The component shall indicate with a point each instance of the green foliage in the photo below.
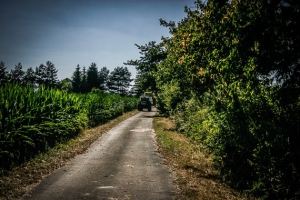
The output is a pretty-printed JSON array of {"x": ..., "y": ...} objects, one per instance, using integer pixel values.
[
  {"x": 104, "y": 107},
  {"x": 43, "y": 75},
  {"x": 196, "y": 121},
  {"x": 119, "y": 81},
  {"x": 50, "y": 75},
  {"x": 116, "y": 81},
  {"x": 65, "y": 85},
  {"x": 92, "y": 77},
  {"x": 146, "y": 66},
  {"x": 171, "y": 94},
  {"x": 16, "y": 74},
  {"x": 76, "y": 80},
  {"x": 103, "y": 75},
  {"x": 231, "y": 81},
  {"x": 83, "y": 83},
  {"x": 29, "y": 77},
  {"x": 3, "y": 73},
  {"x": 33, "y": 120},
  {"x": 46, "y": 75}
]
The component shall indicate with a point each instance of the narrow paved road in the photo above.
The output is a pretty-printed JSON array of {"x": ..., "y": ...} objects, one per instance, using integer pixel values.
[{"x": 122, "y": 164}]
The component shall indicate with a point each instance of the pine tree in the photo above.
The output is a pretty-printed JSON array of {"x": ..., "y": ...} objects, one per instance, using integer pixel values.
[
  {"x": 3, "y": 73},
  {"x": 40, "y": 75},
  {"x": 29, "y": 77},
  {"x": 16, "y": 74},
  {"x": 83, "y": 86},
  {"x": 92, "y": 77},
  {"x": 119, "y": 81},
  {"x": 46, "y": 75},
  {"x": 103, "y": 78},
  {"x": 51, "y": 79},
  {"x": 76, "y": 80}
]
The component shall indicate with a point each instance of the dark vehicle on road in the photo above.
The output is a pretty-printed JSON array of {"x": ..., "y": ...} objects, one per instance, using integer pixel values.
[{"x": 144, "y": 103}]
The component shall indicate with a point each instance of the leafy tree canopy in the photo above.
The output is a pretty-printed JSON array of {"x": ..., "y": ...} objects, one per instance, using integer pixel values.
[{"x": 146, "y": 66}]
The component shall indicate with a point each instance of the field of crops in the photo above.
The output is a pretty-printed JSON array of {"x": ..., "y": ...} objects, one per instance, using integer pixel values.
[{"x": 34, "y": 120}]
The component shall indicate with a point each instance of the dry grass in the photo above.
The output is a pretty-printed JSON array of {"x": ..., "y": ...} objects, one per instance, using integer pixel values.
[
  {"x": 14, "y": 184},
  {"x": 196, "y": 177}
]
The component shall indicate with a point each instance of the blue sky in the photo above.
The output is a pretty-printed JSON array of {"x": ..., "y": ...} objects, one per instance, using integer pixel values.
[{"x": 71, "y": 32}]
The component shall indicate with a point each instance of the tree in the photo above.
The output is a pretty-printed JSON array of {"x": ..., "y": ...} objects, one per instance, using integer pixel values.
[
  {"x": 46, "y": 75},
  {"x": 226, "y": 56},
  {"x": 29, "y": 77},
  {"x": 65, "y": 85},
  {"x": 92, "y": 77},
  {"x": 119, "y": 81},
  {"x": 3, "y": 73},
  {"x": 76, "y": 80},
  {"x": 146, "y": 66},
  {"x": 134, "y": 91},
  {"x": 83, "y": 86},
  {"x": 51, "y": 80},
  {"x": 40, "y": 75},
  {"x": 16, "y": 74},
  {"x": 103, "y": 78}
]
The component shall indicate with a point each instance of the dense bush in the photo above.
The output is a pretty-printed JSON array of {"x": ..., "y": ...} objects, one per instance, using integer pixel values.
[
  {"x": 230, "y": 79},
  {"x": 254, "y": 140}
]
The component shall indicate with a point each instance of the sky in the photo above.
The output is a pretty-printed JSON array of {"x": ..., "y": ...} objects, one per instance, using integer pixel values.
[{"x": 72, "y": 32}]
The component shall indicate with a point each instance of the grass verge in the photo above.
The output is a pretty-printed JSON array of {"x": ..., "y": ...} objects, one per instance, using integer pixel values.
[
  {"x": 16, "y": 183},
  {"x": 196, "y": 177}
]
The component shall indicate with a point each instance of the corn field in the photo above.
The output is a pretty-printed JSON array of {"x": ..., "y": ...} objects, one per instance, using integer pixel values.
[{"x": 34, "y": 120}]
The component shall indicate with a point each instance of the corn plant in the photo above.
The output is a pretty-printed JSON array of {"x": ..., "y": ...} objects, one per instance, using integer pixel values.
[{"x": 34, "y": 120}]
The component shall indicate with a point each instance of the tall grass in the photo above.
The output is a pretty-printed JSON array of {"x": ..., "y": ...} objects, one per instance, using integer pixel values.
[{"x": 33, "y": 120}]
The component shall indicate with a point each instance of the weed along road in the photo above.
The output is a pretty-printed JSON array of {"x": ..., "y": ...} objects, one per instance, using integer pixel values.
[{"x": 122, "y": 164}]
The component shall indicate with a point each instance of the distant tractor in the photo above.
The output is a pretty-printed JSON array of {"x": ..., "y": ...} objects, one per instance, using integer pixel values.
[
  {"x": 144, "y": 103},
  {"x": 151, "y": 96}
]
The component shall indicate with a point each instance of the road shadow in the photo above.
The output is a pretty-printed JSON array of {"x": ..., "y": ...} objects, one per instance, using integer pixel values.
[
  {"x": 150, "y": 116},
  {"x": 154, "y": 116}
]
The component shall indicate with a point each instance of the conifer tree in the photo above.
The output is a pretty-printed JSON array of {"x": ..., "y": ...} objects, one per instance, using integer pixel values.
[
  {"x": 29, "y": 77},
  {"x": 76, "y": 80},
  {"x": 92, "y": 77},
  {"x": 16, "y": 74},
  {"x": 51, "y": 79},
  {"x": 103, "y": 78},
  {"x": 3, "y": 73},
  {"x": 40, "y": 75},
  {"x": 119, "y": 81},
  {"x": 83, "y": 86}
]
